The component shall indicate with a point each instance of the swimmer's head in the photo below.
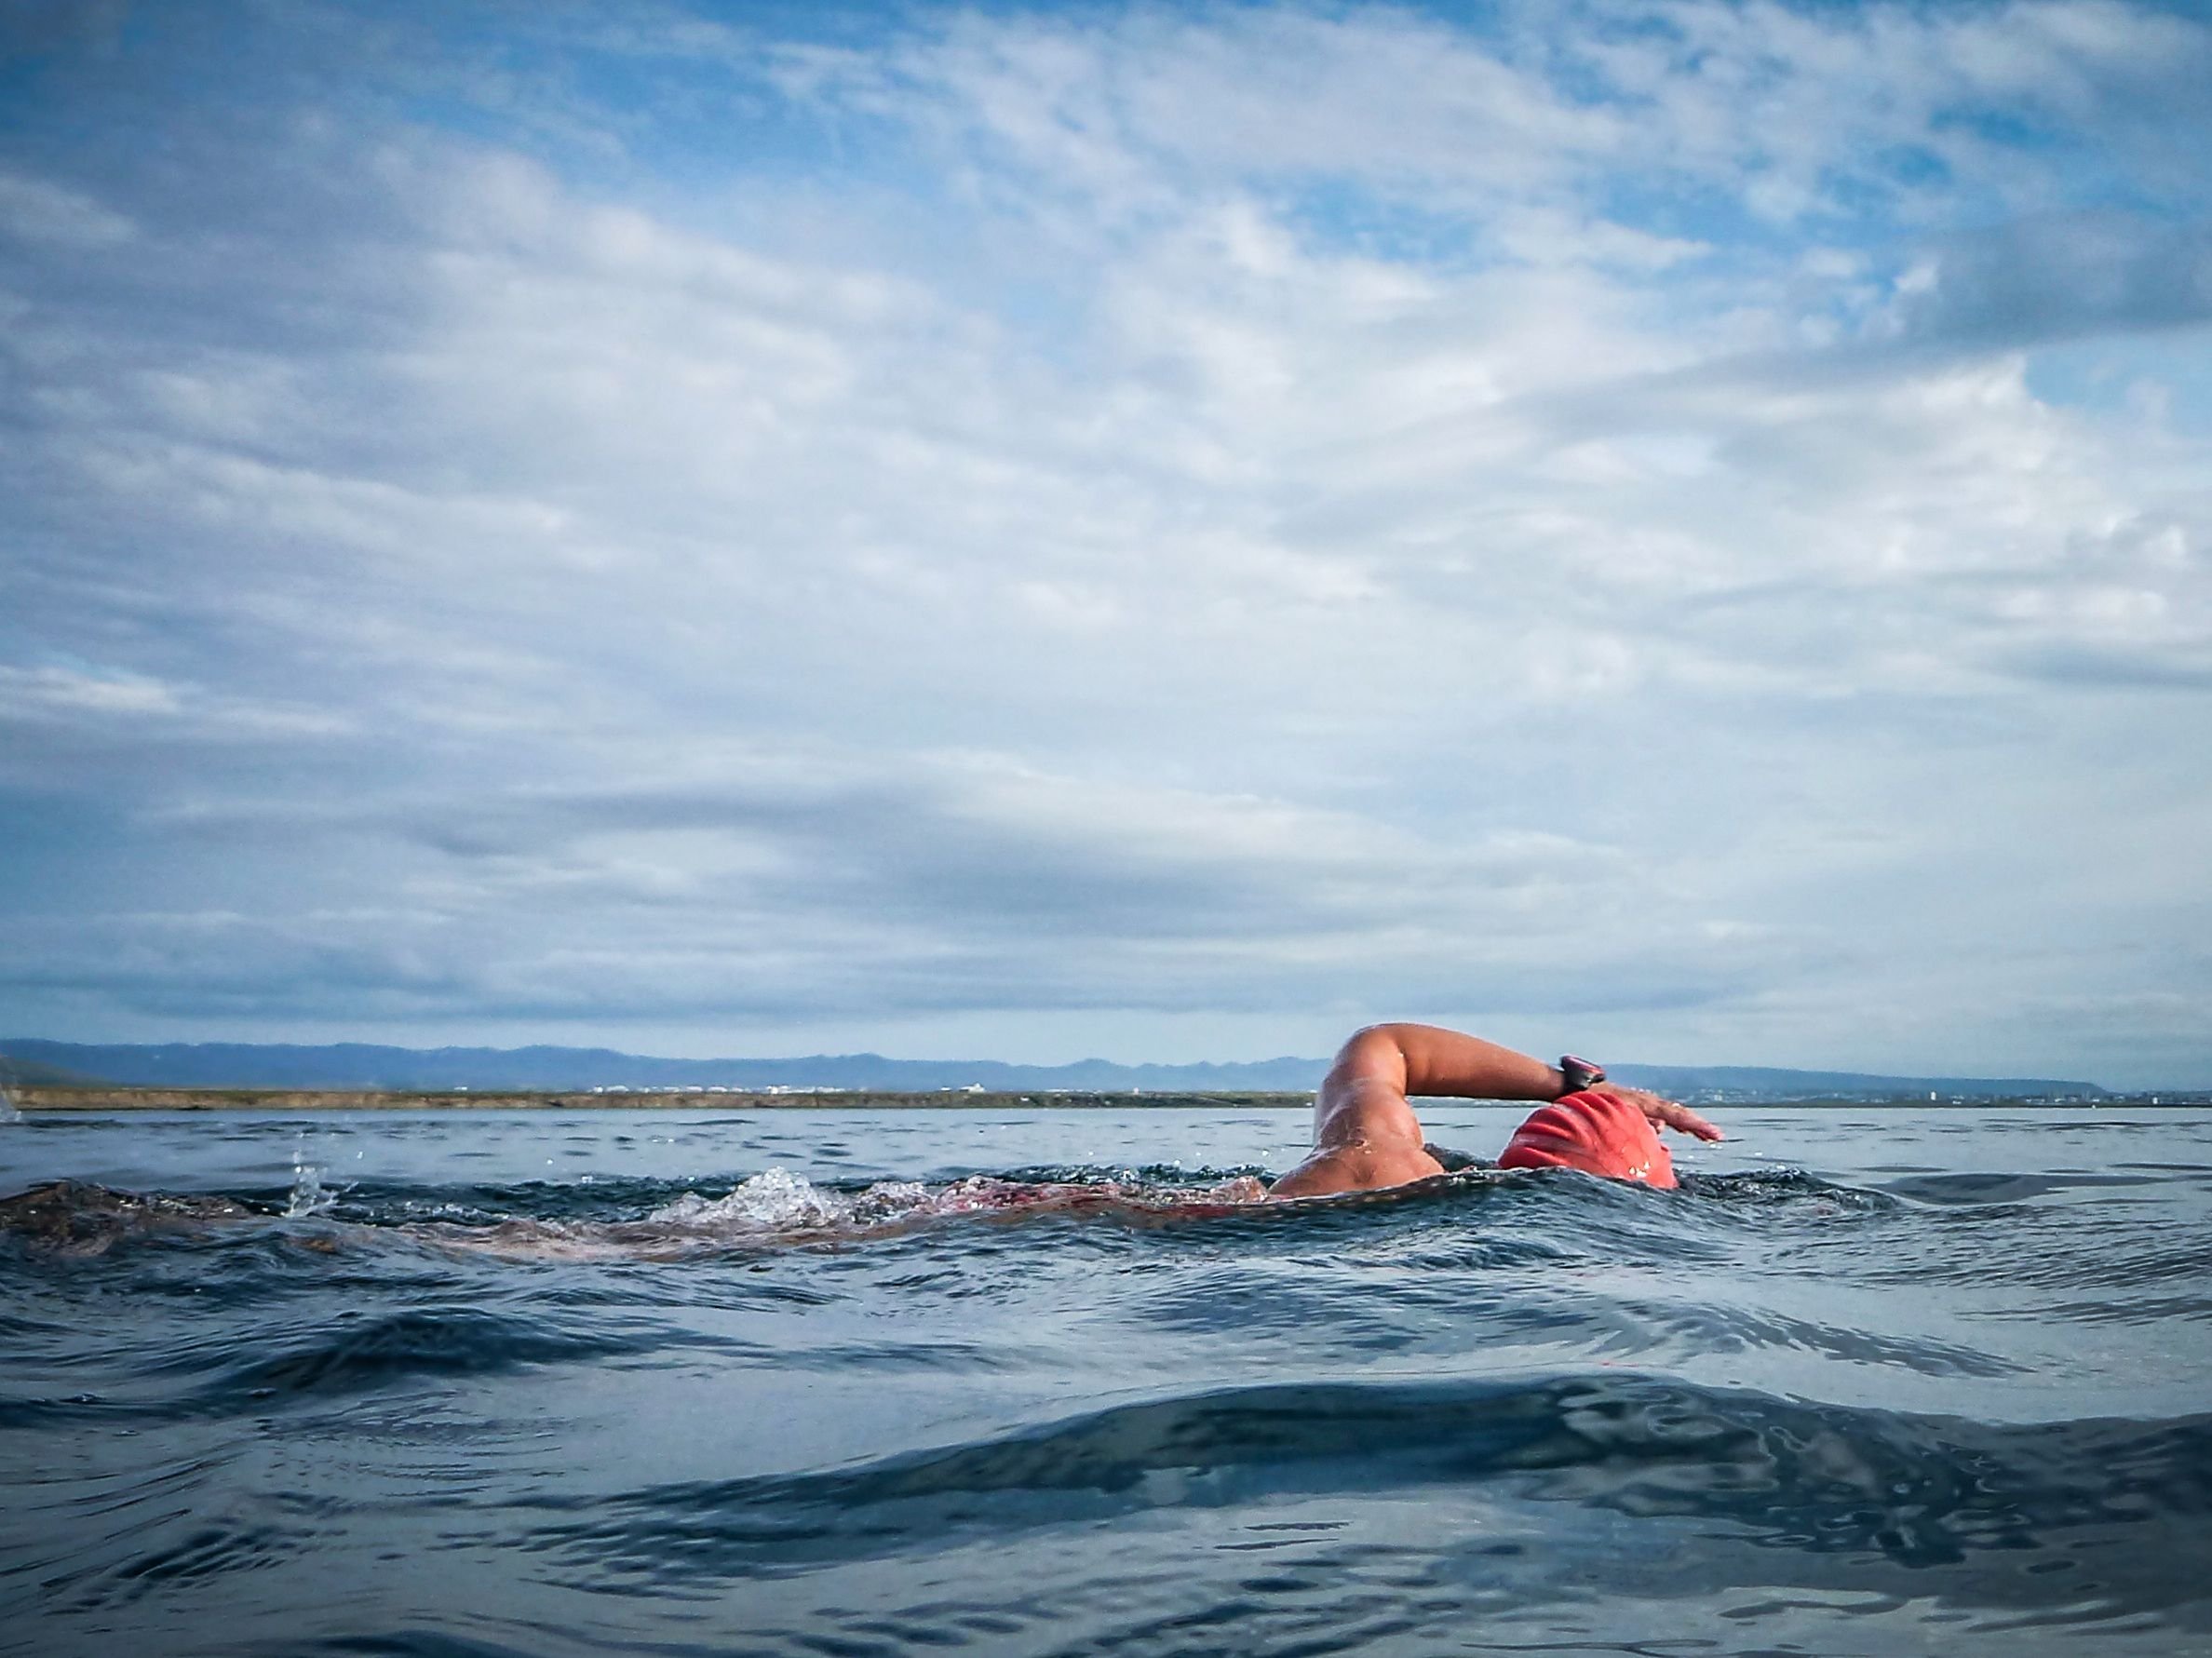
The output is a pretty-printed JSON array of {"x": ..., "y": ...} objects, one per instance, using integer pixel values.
[{"x": 1598, "y": 1133}]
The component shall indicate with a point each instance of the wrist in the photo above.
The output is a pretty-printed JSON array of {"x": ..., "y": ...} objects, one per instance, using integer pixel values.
[{"x": 1575, "y": 1074}]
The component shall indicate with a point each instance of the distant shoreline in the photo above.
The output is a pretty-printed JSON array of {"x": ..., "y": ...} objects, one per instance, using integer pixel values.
[
  {"x": 59, "y": 1099},
  {"x": 350, "y": 1099}
]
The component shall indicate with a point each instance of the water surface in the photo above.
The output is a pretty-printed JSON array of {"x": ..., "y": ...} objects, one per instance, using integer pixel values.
[{"x": 837, "y": 1382}]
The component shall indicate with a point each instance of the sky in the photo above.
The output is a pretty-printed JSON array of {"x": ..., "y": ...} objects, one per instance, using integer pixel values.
[{"x": 1676, "y": 531}]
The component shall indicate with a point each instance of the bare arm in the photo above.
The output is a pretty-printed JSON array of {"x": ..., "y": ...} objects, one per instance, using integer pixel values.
[
  {"x": 1366, "y": 1133},
  {"x": 1427, "y": 1061}
]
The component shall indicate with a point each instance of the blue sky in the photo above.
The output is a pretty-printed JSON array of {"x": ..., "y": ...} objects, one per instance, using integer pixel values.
[{"x": 1673, "y": 530}]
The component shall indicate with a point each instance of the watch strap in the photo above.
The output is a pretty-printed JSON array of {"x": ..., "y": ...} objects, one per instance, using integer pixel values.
[{"x": 1579, "y": 1073}]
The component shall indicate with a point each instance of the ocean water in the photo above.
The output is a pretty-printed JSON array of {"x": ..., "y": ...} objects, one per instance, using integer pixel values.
[{"x": 849, "y": 1383}]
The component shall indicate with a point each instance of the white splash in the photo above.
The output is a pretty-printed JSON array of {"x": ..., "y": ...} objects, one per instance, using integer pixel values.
[
  {"x": 774, "y": 1200},
  {"x": 779, "y": 1201},
  {"x": 307, "y": 1194},
  {"x": 777, "y": 1204},
  {"x": 8, "y": 1112}
]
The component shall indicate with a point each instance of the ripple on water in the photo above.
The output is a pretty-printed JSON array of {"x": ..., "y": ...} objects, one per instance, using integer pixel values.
[
  {"x": 1913, "y": 1492},
  {"x": 1101, "y": 1406}
]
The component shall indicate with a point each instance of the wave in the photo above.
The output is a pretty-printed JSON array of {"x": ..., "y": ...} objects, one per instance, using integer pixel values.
[
  {"x": 1860, "y": 1485},
  {"x": 586, "y": 1220},
  {"x": 81, "y": 1217},
  {"x": 1494, "y": 1218},
  {"x": 1516, "y": 1391},
  {"x": 352, "y": 1355}
]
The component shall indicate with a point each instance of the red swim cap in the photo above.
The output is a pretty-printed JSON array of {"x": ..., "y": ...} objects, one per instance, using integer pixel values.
[{"x": 1599, "y": 1134}]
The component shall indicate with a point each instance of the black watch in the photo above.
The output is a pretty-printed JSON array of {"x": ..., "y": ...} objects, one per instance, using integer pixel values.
[{"x": 1579, "y": 1075}]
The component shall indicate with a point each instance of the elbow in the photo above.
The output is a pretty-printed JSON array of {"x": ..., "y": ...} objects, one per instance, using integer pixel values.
[
  {"x": 1390, "y": 1034},
  {"x": 1359, "y": 1042},
  {"x": 1367, "y": 1044}
]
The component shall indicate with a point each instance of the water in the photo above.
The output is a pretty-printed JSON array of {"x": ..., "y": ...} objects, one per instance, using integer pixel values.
[{"x": 847, "y": 1383}]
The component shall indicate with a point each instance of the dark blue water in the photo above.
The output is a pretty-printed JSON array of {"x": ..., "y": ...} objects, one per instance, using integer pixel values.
[{"x": 848, "y": 1383}]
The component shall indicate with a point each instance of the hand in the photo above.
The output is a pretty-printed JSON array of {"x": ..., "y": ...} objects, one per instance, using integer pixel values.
[{"x": 1666, "y": 1113}]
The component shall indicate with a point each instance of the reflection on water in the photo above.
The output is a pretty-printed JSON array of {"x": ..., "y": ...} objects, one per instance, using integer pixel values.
[{"x": 833, "y": 1382}]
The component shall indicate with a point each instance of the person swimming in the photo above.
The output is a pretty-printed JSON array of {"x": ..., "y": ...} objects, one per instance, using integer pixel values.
[{"x": 1367, "y": 1136}]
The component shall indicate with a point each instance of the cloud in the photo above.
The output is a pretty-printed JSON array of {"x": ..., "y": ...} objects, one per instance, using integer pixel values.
[
  {"x": 964, "y": 855},
  {"x": 37, "y": 212},
  {"x": 2046, "y": 280},
  {"x": 33, "y": 692},
  {"x": 1270, "y": 515}
]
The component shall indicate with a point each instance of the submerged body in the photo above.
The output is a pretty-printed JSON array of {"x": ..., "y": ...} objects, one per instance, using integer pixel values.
[{"x": 1367, "y": 1135}]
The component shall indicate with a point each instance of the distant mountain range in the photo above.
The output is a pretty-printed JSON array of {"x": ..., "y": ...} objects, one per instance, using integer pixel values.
[{"x": 362, "y": 1065}]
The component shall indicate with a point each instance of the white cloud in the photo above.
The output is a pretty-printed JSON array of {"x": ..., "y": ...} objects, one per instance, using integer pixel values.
[
  {"x": 98, "y": 705},
  {"x": 1259, "y": 515},
  {"x": 38, "y": 211},
  {"x": 66, "y": 691}
]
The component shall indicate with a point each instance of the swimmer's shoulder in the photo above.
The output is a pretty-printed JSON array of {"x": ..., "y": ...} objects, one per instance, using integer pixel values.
[{"x": 1357, "y": 1167}]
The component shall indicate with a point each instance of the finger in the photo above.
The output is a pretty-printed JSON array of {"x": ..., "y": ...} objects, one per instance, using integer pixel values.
[
  {"x": 1667, "y": 1113},
  {"x": 1685, "y": 1121}
]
